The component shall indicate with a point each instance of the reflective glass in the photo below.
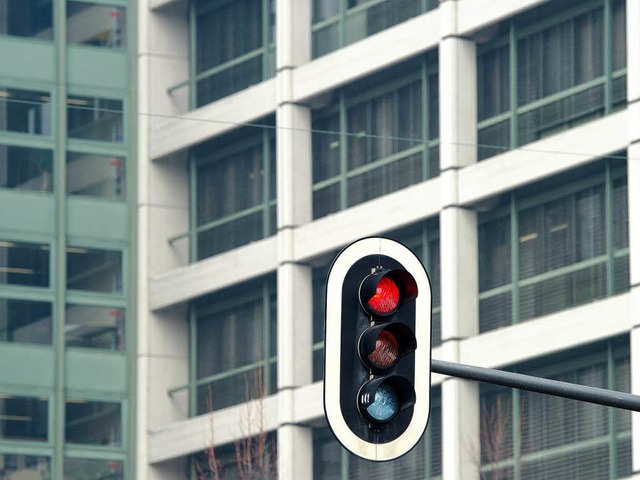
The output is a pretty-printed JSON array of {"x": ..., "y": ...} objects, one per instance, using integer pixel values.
[
  {"x": 26, "y": 168},
  {"x": 23, "y": 418},
  {"x": 94, "y": 327},
  {"x": 24, "y": 264},
  {"x": 25, "y": 111},
  {"x": 93, "y": 269},
  {"x": 99, "y": 25},
  {"x": 27, "y": 18},
  {"x": 90, "y": 469},
  {"x": 25, "y": 321},
  {"x": 95, "y": 175},
  {"x": 93, "y": 423},
  {"x": 26, "y": 467},
  {"x": 92, "y": 118}
]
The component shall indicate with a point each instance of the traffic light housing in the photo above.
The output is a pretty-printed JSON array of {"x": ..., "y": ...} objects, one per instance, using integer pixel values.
[{"x": 377, "y": 349}]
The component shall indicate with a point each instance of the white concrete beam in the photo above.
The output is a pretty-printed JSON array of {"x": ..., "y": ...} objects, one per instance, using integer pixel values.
[
  {"x": 544, "y": 158},
  {"x": 174, "y": 133},
  {"x": 197, "y": 279}
]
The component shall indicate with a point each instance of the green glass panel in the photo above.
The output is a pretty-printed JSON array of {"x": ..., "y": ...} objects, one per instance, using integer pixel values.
[
  {"x": 93, "y": 423},
  {"x": 26, "y": 168},
  {"x": 23, "y": 418}
]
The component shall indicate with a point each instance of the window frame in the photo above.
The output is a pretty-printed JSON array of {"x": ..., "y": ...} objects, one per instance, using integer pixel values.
[
  {"x": 341, "y": 20},
  {"x": 518, "y": 202},
  {"x": 514, "y": 30},
  {"x": 267, "y": 50},
  {"x": 350, "y": 97},
  {"x": 608, "y": 352},
  {"x": 264, "y": 290}
]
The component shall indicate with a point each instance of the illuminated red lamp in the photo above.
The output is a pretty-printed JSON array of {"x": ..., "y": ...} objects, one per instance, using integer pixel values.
[{"x": 384, "y": 291}]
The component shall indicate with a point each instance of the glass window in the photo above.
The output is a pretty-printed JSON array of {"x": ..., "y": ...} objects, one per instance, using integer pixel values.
[
  {"x": 23, "y": 418},
  {"x": 94, "y": 327},
  {"x": 235, "y": 192},
  {"x": 385, "y": 137},
  {"x": 93, "y": 423},
  {"x": 17, "y": 466},
  {"x": 91, "y": 469},
  {"x": 236, "y": 346},
  {"x": 233, "y": 50},
  {"x": 558, "y": 243},
  {"x": 27, "y": 18},
  {"x": 93, "y": 118},
  {"x": 99, "y": 25},
  {"x": 25, "y": 321},
  {"x": 25, "y": 111},
  {"x": 93, "y": 269},
  {"x": 567, "y": 71},
  {"x": 92, "y": 175},
  {"x": 553, "y": 437},
  {"x": 24, "y": 263},
  {"x": 337, "y": 23},
  {"x": 26, "y": 168}
]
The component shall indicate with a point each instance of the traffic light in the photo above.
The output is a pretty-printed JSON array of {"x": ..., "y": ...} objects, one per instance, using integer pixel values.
[{"x": 377, "y": 349}]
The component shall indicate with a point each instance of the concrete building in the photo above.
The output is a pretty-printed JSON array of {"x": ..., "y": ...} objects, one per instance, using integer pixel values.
[{"x": 176, "y": 178}]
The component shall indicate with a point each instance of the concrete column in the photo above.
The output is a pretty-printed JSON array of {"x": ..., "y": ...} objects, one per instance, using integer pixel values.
[
  {"x": 293, "y": 149},
  {"x": 633, "y": 171},
  {"x": 162, "y": 351},
  {"x": 458, "y": 245}
]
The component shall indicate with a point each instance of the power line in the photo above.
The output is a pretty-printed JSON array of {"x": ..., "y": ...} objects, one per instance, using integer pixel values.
[{"x": 411, "y": 140}]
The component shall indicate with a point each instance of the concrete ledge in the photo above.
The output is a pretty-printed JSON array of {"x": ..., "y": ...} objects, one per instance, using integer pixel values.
[{"x": 197, "y": 279}]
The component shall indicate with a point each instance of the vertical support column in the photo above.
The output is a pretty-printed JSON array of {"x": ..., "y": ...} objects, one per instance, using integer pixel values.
[
  {"x": 458, "y": 245},
  {"x": 293, "y": 150},
  {"x": 162, "y": 204},
  {"x": 633, "y": 171}
]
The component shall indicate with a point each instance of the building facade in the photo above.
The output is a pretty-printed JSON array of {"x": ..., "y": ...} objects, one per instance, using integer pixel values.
[{"x": 177, "y": 176}]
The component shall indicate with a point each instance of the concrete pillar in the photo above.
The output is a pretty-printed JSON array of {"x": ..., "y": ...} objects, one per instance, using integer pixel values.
[
  {"x": 633, "y": 170},
  {"x": 293, "y": 149},
  {"x": 162, "y": 351},
  {"x": 458, "y": 245}
]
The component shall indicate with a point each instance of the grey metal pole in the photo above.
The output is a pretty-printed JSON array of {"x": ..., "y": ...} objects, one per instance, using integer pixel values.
[{"x": 600, "y": 396}]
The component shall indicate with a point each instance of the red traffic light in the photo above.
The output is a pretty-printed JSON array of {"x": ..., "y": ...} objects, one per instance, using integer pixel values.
[
  {"x": 381, "y": 346},
  {"x": 384, "y": 291}
]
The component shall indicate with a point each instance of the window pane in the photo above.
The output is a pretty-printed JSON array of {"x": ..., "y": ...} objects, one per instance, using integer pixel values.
[
  {"x": 26, "y": 467},
  {"x": 24, "y": 264},
  {"x": 233, "y": 337},
  {"x": 100, "y": 25},
  {"x": 26, "y": 168},
  {"x": 235, "y": 190},
  {"x": 94, "y": 327},
  {"x": 95, "y": 175},
  {"x": 87, "y": 469},
  {"x": 25, "y": 111},
  {"x": 25, "y": 321},
  {"x": 493, "y": 83},
  {"x": 232, "y": 79},
  {"x": 95, "y": 270},
  {"x": 92, "y": 118},
  {"x": 93, "y": 423},
  {"x": 228, "y": 31},
  {"x": 27, "y": 18},
  {"x": 494, "y": 247},
  {"x": 23, "y": 418}
]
